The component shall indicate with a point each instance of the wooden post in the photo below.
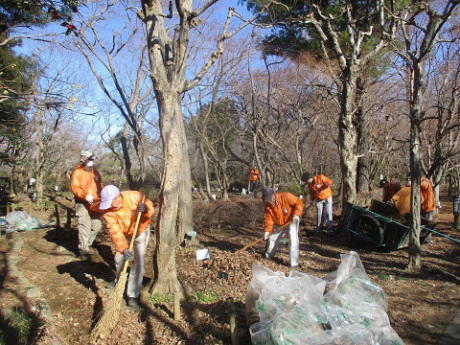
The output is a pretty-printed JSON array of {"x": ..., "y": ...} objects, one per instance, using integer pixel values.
[
  {"x": 68, "y": 224},
  {"x": 176, "y": 306},
  {"x": 58, "y": 221},
  {"x": 233, "y": 325},
  {"x": 7, "y": 208}
]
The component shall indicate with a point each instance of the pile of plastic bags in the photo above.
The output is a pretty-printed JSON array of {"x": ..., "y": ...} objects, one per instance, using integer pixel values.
[
  {"x": 19, "y": 221},
  {"x": 344, "y": 308}
]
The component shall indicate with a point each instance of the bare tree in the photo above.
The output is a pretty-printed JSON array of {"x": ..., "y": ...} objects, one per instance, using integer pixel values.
[
  {"x": 421, "y": 28},
  {"x": 442, "y": 128},
  {"x": 125, "y": 85},
  {"x": 168, "y": 49}
]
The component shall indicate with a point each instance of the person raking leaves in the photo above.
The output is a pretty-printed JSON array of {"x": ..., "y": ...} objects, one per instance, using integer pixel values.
[
  {"x": 279, "y": 210},
  {"x": 120, "y": 213}
]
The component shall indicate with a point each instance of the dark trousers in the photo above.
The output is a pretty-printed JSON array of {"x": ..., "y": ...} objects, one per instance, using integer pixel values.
[{"x": 253, "y": 187}]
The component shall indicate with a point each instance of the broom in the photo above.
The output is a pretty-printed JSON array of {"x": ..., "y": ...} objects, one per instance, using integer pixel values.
[{"x": 111, "y": 314}]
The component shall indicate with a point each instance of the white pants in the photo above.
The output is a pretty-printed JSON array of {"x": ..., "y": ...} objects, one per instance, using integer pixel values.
[
  {"x": 324, "y": 210},
  {"x": 136, "y": 273},
  {"x": 275, "y": 237},
  {"x": 88, "y": 227}
]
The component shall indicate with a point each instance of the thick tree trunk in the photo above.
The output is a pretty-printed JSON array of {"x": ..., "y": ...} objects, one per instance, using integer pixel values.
[
  {"x": 175, "y": 210},
  {"x": 415, "y": 250},
  {"x": 348, "y": 137}
]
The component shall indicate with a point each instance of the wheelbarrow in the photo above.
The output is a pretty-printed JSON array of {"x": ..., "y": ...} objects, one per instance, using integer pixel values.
[{"x": 373, "y": 231}]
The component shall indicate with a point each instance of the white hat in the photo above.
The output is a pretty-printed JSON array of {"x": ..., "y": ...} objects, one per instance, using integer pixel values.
[
  {"x": 87, "y": 153},
  {"x": 108, "y": 193}
]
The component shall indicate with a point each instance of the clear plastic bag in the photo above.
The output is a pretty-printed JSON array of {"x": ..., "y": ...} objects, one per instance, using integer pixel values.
[
  {"x": 353, "y": 291},
  {"x": 350, "y": 265},
  {"x": 280, "y": 296},
  {"x": 260, "y": 277},
  {"x": 353, "y": 335},
  {"x": 260, "y": 333},
  {"x": 294, "y": 310},
  {"x": 21, "y": 221}
]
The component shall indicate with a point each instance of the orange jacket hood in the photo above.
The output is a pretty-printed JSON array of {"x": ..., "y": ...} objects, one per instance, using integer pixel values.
[
  {"x": 287, "y": 205},
  {"x": 84, "y": 182},
  {"x": 122, "y": 221},
  {"x": 318, "y": 190}
]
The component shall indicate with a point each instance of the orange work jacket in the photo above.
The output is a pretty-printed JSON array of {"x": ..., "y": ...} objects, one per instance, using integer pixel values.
[
  {"x": 122, "y": 221},
  {"x": 253, "y": 175},
  {"x": 317, "y": 189},
  {"x": 286, "y": 206},
  {"x": 389, "y": 190},
  {"x": 84, "y": 182},
  {"x": 402, "y": 198}
]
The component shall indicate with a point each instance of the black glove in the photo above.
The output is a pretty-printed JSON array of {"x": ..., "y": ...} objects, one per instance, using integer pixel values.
[
  {"x": 142, "y": 207},
  {"x": 127, "y": 254}
]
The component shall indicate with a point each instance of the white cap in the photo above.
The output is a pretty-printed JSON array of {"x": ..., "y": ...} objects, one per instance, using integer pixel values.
[
  {"x": 108, "y": 193},
  {"x": 87, "y": 153}
]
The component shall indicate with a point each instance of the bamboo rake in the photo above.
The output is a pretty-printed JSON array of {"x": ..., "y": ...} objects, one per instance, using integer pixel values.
[
  {"x": 260, "y": 239},
  {"x": 111, "y": 314}
]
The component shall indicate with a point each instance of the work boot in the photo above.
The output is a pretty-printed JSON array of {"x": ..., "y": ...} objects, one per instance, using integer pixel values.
[
  {"x": 318, "y": 231},
  {"x": 133, "y": 303}
]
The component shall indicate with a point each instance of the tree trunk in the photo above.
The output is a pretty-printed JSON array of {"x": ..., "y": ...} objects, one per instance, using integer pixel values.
[
  {"x": 39, "y": 147},
  {"x": 124, "y": 141},
  {"x": 363, "y": 171},
  {"x": 348, "y": 137},
  {"x": 415, "y": 250},
  {"x": 175, "y": 209},
  {"x": 223, "y": 180},
  {"x": 204, "y": 159}
]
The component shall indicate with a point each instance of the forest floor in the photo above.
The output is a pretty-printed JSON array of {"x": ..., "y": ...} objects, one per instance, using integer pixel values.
[{"x": 53, "y": 297}]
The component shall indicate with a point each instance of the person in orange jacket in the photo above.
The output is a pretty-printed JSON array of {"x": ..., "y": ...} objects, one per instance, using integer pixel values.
[
  {"x": 389, "y": 189},
  {"x": 281, "y": 208},
  {"x": 403, "y": 203},
  {"x": 120, "y": 218},
  {"x": 86, "y": 185},
  {"x": 320, "y": 191},
  {"x": 253, "y": 178}
]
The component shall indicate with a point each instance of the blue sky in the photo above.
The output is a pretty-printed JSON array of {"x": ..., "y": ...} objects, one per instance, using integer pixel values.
[{"x": 95, "y": 100}]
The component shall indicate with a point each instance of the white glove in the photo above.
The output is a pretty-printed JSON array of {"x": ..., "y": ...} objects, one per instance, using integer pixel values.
[
  {"x": 266, "y": 235},
  {"x": 295, "y": 219},
  {"x": 90, "y": 199}
]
